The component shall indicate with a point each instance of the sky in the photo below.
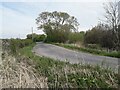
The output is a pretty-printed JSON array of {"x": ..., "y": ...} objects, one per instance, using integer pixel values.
[{"x": 17, "y": 17}]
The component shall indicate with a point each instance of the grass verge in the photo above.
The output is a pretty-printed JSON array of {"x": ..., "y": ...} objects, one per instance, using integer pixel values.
[
  {"x": 65, "y": 75},
  {"x": 88, "y": 50}
]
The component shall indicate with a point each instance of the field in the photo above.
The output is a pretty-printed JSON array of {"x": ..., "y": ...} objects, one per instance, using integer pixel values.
[{"x": 30, "y": 70}]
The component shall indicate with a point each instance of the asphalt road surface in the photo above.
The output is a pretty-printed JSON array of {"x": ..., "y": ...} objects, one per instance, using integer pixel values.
[{"x": 63, "y": 54}]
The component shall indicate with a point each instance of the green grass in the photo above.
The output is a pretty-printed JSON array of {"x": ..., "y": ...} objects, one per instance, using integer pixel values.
[
  {"x": 60, "y": 74},
  {"x": 88, "y": 50}
]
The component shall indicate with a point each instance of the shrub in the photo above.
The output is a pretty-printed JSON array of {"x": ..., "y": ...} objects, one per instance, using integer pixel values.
[
  {"x": 76, "y": 37},
  {"x": 36, "y": 37},
  {"x": 16, "y": 44}
]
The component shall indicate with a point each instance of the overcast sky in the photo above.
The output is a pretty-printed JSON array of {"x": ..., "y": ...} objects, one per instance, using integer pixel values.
[{"x": 17, "y": 18}]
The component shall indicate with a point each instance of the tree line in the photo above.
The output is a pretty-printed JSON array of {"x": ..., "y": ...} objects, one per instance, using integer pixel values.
[
  {"x": 62, "y": 27},
  {"x": 102, "y": 35},
  {"x": 107, "y": 33}
]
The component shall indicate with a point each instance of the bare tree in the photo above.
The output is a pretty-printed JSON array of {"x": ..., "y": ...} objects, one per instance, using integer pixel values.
[{"x": 112, "y": 19}]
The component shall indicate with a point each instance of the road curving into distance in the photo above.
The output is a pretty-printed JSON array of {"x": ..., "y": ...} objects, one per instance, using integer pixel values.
[{"x": 63, "y": 54}]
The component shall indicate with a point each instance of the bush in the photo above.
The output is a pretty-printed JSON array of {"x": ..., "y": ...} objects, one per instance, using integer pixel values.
[
  {"x": 100, "y": 35},
  {"x": 76, "y": 37},
  {"x": 16, "y": 44},
  {"x": 36, "y": 37}
]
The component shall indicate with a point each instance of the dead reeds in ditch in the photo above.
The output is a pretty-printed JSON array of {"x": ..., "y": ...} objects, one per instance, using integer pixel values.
[{"x": 20, "y": 73}]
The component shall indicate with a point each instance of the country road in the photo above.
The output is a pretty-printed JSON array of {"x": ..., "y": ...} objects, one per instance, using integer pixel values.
[{"x": 60, "y": 53}]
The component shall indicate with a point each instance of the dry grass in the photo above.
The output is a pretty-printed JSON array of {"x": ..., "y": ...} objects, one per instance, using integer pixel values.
[
  {"x": 84, "y": 76},
  {"x": 20, "y": 72},
  {"x": 31, "y": 71}
]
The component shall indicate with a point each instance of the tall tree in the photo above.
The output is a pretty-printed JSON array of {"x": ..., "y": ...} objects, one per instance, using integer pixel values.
[
  {"x": 57, "y": 25},
  {"x": 113, "y": 20}
]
